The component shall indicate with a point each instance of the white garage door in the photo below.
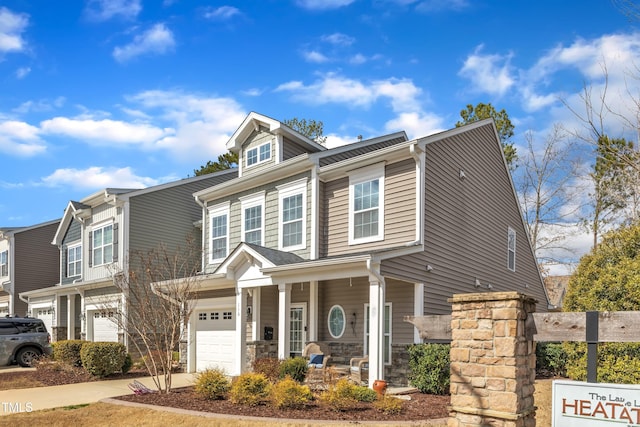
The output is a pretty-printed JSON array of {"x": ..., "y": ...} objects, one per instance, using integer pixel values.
[
  {"x": 104, "y": 327},
  {"x": 46, "y": 315},
  {"x": 215, "y": 330}
]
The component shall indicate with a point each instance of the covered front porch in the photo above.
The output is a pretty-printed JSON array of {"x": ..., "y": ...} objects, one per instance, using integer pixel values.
[{"x": 344, "y": 304}]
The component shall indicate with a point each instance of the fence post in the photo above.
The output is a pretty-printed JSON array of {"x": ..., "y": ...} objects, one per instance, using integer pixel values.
[
  {"x": 492, "y": 362},
  {"x": 591, "y": 335}
]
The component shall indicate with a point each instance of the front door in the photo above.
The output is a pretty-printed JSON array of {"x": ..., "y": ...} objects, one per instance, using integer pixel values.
[{"x": 298, "y": 329}]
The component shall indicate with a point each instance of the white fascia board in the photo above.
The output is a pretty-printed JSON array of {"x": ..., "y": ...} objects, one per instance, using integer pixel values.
[{"x": 290, "y": 167}]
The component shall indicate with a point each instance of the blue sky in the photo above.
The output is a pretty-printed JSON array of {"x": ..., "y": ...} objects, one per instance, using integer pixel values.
[{"x": 132, "y": 93}]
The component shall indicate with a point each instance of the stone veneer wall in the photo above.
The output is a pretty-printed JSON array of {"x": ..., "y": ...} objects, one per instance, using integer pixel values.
[{"x": 492, "y": 362}]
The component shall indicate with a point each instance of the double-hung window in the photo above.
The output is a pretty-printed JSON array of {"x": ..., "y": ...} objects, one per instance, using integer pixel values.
[
  {"x": 292, "y": 201},
  {"x": 511, "y": 249},
  {"x": 253, "y": 218},
  {"x": 366, "y": 204},
  {"x": 74, "y": 261},
  {"x": 102, "y": 241},
  {"x": 4, "y": 263},
  {"x": 219, "y": 232},
  {"x": 259, "y": 154}
]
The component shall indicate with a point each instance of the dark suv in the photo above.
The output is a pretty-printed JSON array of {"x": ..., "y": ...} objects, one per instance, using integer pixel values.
[{"x": 23, "y": 339}]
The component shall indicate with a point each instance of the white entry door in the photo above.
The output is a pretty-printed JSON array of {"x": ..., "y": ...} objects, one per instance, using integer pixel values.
[{"x": 297, "y": 329}]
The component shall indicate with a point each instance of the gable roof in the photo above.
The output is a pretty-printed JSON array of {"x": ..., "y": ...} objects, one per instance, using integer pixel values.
[
  {"x": 348, "y": 151},
  {"x": 253, "y": 122}
]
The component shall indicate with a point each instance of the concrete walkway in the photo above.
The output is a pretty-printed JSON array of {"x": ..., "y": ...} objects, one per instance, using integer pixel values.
[{"x": 37, "y": 398}]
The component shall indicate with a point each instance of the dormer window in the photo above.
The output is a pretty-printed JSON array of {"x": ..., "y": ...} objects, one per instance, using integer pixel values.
[{"x": 259, "y": 154}]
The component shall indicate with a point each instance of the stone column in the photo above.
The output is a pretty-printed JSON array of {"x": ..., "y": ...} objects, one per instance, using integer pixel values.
[{"x": 492, "y": 362}]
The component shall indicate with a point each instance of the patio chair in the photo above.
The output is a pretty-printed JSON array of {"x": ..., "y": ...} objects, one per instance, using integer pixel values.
[
  {"x": 317, "y": 361},
  {"x": 359, "y": 370}
]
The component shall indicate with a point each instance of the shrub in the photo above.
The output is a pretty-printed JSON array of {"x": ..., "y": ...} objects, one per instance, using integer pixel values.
[
  {"x": 618, "y": 363},
  {"x": 288, "y": 393},
  {"x": 295, "y": 367},
  {"x": 364, "y": 394},
  {"x": 269, "y": 366},
  {"x": 68, "y": 351},
  {"x": 429, "y": 368},
  {"x": 250, "y": 389},
  {"x": 212, "y": 384},
  {"x": 551, "y": 359},
  {"x": 389, "y": 405},
  {"x": 103, "y": 358},
  {"x": 340, "y": 396},
  {"x": 128, "y": 364}
]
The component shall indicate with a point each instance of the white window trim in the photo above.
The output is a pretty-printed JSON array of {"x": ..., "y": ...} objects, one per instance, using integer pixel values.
[
  {"x": 252, "y": 200},
  {"x": 5, "y": 264},
  {"x": 257, "y": 148},
  {"x": 96, "y": 227},
  {"x": 74, "y": 247},
  {"x": 359, "y": 176},
  {"x": 366, "y": 332},
  {"x": 511, "y": 231},
  {"x": 288, "y": 190},
  {"x": 344, "y": 323},
  {"x": 214, "y": 211}
]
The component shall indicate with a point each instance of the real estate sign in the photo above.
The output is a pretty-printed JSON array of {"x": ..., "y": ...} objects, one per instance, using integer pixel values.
[{"x": 595, "y": 404}]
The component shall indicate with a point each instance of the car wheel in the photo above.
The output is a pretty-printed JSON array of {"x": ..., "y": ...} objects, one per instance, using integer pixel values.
[{"x": 27, "y": 355}]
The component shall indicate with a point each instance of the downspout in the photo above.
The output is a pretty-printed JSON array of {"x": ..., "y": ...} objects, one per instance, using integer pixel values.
[{"x": 418, "y": 156}]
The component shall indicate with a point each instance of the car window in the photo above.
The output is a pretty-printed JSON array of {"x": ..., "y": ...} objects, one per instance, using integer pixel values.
[
  {"x": 30, "y": 327},
  {"x": 7, "y": 329}
]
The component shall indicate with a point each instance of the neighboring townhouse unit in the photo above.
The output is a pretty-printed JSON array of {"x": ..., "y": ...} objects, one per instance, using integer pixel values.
[
  {"x": 27, "y": 262},
  {"x": 338, "y": 245},
  {"x": 93, "y": 243}
]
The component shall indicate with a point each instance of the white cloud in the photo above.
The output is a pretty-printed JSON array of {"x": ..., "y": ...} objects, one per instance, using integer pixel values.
[
  {"x": 97, "y": 177},
  {"x": 202, "y": 124},
  {"x": 40, "y": 105},
  {"x": 104, "y": 131},
  {"x": 488, "y": 73},
  {"x": 221, "y": 13},
  {"x": 440, "y": 5},
  {"x": 315, "y": 57},
  {"x": 323, "y": 4},
  {"x": 416, "y": 124},
  {"x": 12, "y": 25},
  {"x": 20, "y": 139},
  {"x": 338, "y": 39},
  {"x": 157, "y": 40},
  {"x": 104, "y": 10},
  {"x": 22, "y": 72}
]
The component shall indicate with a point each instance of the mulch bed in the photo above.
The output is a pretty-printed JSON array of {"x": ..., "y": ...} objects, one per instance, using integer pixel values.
[
  {"x": 420, "y": 407},
  {"x": 50, "y": 377}
]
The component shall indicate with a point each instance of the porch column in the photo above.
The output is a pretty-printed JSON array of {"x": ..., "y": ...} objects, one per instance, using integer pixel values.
[
  {"x": 313, "y": 311},
  {"x": 284, "y": 319},
  {"x": 83, "y": 318},
  {"x": 376, "y": 330},
  {"x": 241, "y": 330},
  {"x": 255, "y": 314},
  {"x": 71, "y": 316}
]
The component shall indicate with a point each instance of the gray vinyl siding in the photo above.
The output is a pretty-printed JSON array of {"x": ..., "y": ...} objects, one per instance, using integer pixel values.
[
  {"x": 218, "y": 293},
  {"x": 102, "y": 292},
  {"x": 352, "y": 295},
  {"x": 37, "y": 262},
  {"x": 466, "y": 224},
  {"x": 72, "y": 237},
  {"x": 399, "y": 211},
  {"x": 269, "y": 310},
  {"x": 272, "y": 220},
  {"x": 291, "y": 149},
  {"x": 257, "y": 138}
]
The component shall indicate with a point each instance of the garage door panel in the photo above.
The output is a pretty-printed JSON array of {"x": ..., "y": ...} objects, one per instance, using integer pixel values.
[
  {"x": 215, "y": 339},
  {"x": 46, "y": 315},
  {"x": 104, "y": 327}
]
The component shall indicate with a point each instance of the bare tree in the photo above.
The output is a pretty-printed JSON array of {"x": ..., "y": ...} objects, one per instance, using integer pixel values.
[
  {"x": 546, "y": 173},
  {"x": 159, "y": 294},
  {"x": 616, "y": 170}
]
